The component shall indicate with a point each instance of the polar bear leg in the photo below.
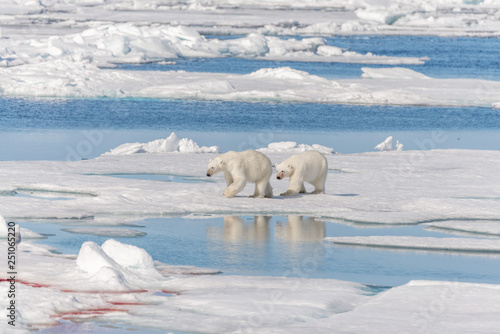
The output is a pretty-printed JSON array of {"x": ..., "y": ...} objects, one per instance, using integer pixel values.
[
  {"x": 294, "y": 188},
  {"x": 234, "y": 188},
  {"x": 269, "y": 191},
  {"x": 319, "y": 185},
  {"x": 303, "y": 189},
  {"x": 260, "y": 189},
  {"x": 229, "y": 178}
]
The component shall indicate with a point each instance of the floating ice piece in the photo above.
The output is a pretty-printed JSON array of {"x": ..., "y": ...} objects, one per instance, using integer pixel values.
[
  {"x": 107, "y": 232},
  {"x": 391, "y": 73},
  {"x": 422, "y": 243},
  {"x": 293, "y": 147},
  {"x": 386, "y": 145},
  {"x": 171, "y": 144}
]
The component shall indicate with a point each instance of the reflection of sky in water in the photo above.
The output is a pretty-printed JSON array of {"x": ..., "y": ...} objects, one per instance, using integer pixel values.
[{"x": 287, "y": 246}]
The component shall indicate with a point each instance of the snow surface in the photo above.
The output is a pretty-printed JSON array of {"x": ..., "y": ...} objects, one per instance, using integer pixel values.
[{"x": 464, "y": 183}]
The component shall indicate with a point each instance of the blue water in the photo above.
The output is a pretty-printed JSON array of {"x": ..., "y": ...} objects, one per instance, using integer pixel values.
[
  {"x": 62, "y": 129},
  {"x": 287, "y": 246}
]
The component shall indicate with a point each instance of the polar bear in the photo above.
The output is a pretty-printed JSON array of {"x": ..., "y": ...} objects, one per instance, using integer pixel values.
[
  {"x": 242, "y": 167},
  {"x": 310, "y": 166}
]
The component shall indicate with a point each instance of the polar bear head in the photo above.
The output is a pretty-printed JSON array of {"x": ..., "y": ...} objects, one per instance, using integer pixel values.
[
  {"x": 284, "y": 170},
  {"x": 215, "y": 166}
]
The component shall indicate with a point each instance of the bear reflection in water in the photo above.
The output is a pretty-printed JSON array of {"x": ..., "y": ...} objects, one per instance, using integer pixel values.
[{"x": 296, "y": 229}]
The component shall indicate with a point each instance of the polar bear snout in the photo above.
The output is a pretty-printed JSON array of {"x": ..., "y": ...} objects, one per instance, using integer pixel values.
[
  {"x": 209, "y": 172},
  {"x": 280, "y": 176}
]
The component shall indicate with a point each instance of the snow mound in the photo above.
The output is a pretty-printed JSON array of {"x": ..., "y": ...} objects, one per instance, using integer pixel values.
[
  {"x": 171, "y": 144},
  {"x": 386, "y": 145},
  {"x": 293, "y": 147},
  {"x": 92, "y": 258},
  {"x": 391, "y": 73},
  {"x": 129, "y": 256},
  {"x": 115, "y": 266}
]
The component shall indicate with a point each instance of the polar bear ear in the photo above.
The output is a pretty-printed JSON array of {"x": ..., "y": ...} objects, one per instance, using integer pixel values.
[
  {"x": 221, "y": 162},
  {"x": 209, "y": 161}
]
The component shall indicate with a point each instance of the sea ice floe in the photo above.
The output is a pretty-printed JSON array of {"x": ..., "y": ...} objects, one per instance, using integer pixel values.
[
  {"x": 107, "y": 232},
  {"x": 470, "y": 245},
  {"x": 63, "y": 78},
  {"x": 389, "y": 188},
  {"x": 391, "y": 73},
  {"x": 132, "y": 43},
  {"x": 482, "y": 228}
]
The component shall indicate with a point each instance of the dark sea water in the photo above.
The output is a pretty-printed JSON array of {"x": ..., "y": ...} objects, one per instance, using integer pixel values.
[{"x": 39, "y": 129}]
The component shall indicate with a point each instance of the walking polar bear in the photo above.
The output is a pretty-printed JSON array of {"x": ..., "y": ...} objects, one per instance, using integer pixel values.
[
  {"x": 310, "y": 167},
  {"x": 242, "y": 167}
]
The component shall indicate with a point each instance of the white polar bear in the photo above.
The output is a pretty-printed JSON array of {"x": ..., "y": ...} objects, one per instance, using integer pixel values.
[
  {"x": 310, "y": 166},
  {"x": 242, "y": 167}
]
